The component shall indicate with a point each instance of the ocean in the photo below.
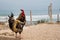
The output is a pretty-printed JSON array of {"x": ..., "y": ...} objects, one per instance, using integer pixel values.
[{"x": 36, "y": 15}]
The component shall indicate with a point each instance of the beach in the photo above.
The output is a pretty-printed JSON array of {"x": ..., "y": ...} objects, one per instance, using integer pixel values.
[
  {"x": 43, "y": 31},
  {"x": 40, "y": 18}
]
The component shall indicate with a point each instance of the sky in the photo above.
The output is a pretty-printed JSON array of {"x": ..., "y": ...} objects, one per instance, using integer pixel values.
[{"x": 28, "y": 4}]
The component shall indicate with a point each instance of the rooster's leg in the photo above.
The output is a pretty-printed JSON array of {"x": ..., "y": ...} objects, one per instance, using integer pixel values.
[
  {"x": 20, "y": 35},
  {"x": 16, "y": 35}
]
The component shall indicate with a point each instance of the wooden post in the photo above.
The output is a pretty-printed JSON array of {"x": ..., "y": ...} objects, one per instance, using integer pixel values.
[
  {"x": 50, "y": 12},
  {"x": 57, "y": 18},
  {"x": 30, "y": 17}
]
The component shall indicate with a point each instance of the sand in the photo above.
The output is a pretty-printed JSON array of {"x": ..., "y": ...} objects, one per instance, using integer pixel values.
[{"x": 35, "y": 32}]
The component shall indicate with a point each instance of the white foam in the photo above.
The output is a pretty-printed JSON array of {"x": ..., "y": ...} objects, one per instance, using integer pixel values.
[{"x": 34, "y": 17}]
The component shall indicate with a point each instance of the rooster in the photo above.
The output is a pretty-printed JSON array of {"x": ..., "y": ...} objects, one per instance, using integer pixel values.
[{"x": 16, "y": 25}]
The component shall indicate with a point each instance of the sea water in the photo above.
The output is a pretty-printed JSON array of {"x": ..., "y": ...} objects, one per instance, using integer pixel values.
[{"x": 36, "y": 15}]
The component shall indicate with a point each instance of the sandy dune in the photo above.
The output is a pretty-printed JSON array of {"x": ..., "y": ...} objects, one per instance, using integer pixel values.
[{"x": 35, "y": 32}]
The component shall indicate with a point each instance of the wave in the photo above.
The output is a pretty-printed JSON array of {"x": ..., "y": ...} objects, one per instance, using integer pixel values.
[{"x": 34, "y": 17}]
